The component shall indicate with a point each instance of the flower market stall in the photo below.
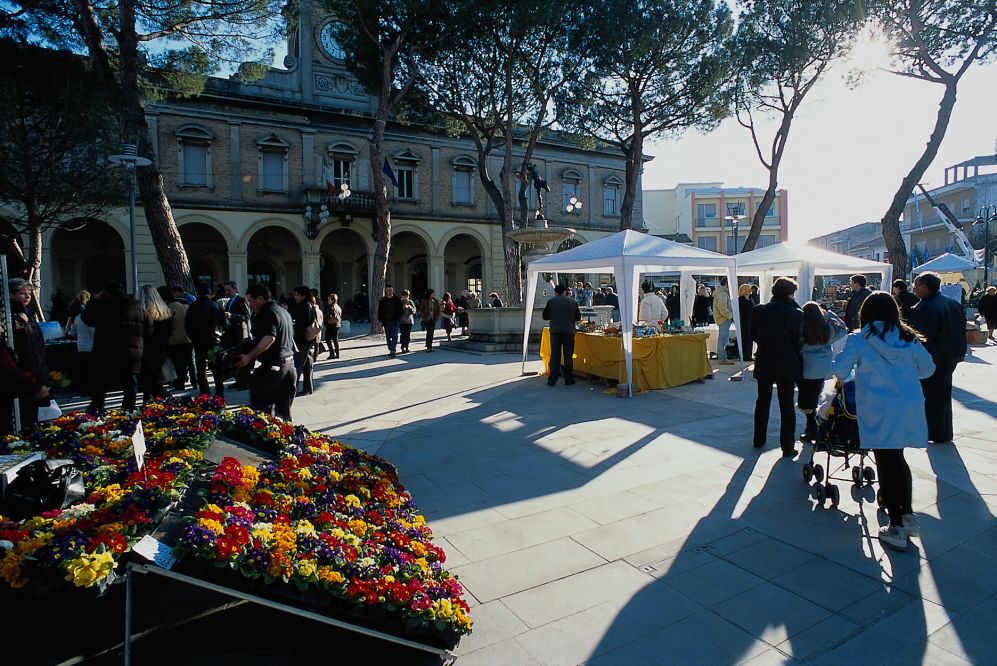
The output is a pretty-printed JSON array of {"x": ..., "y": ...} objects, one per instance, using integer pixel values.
[
  {"x": 314, "y": 528},
  {"x": 627, "y": 255}
]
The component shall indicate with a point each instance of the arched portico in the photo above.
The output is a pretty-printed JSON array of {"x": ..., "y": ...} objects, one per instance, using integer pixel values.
[
  {"x": 207, "y": 250},
  {"x": 464, "y": 260},
  {"x": 274, "y": 258}
]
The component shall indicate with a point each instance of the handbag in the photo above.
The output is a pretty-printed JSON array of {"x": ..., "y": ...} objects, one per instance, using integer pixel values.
[
  {"x": 49, "y": 412},
  {"x": 43, "y": 485}
]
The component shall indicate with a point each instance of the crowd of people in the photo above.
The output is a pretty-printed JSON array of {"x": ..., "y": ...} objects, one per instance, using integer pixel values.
[
  {"x": 397, "y": 313},
  {"x": 901, "y": 350}
]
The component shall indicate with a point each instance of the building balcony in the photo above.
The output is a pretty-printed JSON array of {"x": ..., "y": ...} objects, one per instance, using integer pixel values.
[
  {"x": 707, "y": 222},
  {"x": 359, "y": 201}
]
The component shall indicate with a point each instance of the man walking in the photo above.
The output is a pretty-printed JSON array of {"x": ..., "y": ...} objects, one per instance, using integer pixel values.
[
  {"x": 237, "y": 314},
  {"x": 429, "y": 310},
  {"x": 205, "y": 324},
  {"x": 272, "y": 385},
  {"x": 389, "y": 313},
  {"x": 942, "y": 322},
  {"x": 859, "y": 293},
  {"x": 562, "y": 313},
  {"x": 905, "y": 300}
]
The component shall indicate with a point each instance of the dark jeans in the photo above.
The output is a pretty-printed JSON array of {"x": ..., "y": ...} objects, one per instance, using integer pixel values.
[
  {"x": 102, "y": 383},
  {"x": 787, "y": 413},
  {"x": 895, "y": 484},
  {"x": 303, "y": 365},
  {"x": 182, "y": 357},
  {"x": 332, "y": 338},
  {"x": 201, "y": 367},
  {"x": 272, "y": 387},
  {"x": 809, "y": 393},
  {"x": 938, "y": 404},
  {"x": 406, "y": 335},
  {"x": 430, "y": 329},
  {"x": 391, "y": 335},
  {"x": 561, "y": 344}
]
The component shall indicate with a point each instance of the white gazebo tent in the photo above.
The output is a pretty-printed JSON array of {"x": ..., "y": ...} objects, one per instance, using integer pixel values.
[
  {"x": 949, "y": 263},
  {"x": 805, "y": 262},
  {"x": 626, "y": 255}
]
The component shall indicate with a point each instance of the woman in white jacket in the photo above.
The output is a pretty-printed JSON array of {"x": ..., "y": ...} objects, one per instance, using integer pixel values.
[{"x": 889, "y": 362}]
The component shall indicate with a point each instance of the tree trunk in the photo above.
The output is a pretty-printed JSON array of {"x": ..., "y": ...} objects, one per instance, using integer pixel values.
[
  {"x": 34, "y": 275},
  {"x": 382, "y": 214},
  {"x": 891, "y": 220},
  {"x": 634, "y": 154},
  {"x": 758, "y": 218},
  {"x": 156, "y": 206}
]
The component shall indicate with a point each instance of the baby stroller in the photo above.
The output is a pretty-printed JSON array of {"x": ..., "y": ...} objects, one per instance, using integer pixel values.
[{"x": 838, "y": 437}]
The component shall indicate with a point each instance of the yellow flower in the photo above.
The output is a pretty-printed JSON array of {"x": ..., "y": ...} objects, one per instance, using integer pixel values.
[
  {"x": 330, "y": 575},
  {"x": 443, "y": 608},
  {"x": 462, "y": 619},
  {"x": 352, "y": 500},
  {"x": 419, "y": 520},
  {"x": 423, "y": 563},
  {"x": 29, "y": 546},
  {"x": 418, "y": 549},
  {"x": 358, "y": 526},
  {"x": 89, "y": 569},
  {"x": 10, "y": 569},
  {"x": 211, "y": 524},
  {"x": 262, "y": 531},
  {"x": 304, "y": 527},
  {"x": 306, "y": 568}
]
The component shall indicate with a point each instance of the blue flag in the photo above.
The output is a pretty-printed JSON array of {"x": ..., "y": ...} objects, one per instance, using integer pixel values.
[{"x": 391, "y": 174}]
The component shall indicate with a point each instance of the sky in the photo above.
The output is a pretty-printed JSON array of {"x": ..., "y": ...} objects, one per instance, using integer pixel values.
[{"x": 848, "y": 148}]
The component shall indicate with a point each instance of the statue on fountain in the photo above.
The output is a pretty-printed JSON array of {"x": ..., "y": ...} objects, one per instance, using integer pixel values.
[{"x": 541, "y": 186}]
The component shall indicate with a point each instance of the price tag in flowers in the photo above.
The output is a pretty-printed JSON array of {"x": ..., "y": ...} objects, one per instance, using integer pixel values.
[
  {"x": 155, "y": 551},
  {"x": 138, "y": 444}
]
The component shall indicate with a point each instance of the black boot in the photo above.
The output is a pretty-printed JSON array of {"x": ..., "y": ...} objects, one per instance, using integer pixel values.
[{"x": 810, "y": 433}]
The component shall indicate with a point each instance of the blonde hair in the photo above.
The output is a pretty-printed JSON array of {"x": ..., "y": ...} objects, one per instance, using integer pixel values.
[
  {"x": 702, "y": 291},
  {"x": 744, "y": 290},
  {"x": 154, "y": 303}
]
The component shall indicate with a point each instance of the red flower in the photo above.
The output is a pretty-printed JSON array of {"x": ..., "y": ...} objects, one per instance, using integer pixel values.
[{"x": 226, "y": 548}]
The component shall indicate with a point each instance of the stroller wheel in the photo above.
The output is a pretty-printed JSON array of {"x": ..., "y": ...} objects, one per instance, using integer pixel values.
[
  {"x": 819, "y": 473},
  {"x": 819, "y": 493},
  {"x": 833, "y": 493},
  {"x": 857, "y": 475},
  {"x": 869, "y": 473},
  {"x": 808, "y": 473}
]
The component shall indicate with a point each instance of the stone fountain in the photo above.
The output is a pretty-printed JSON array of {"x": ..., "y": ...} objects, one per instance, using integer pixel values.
[{"x": 501, "y": 329}]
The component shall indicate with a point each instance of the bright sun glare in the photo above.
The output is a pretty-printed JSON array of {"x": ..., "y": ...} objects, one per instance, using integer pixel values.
[{"x": 872, "y": 50}]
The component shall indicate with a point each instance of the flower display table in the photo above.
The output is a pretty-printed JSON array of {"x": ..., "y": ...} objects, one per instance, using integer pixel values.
[{"x": 659, "y": 362}]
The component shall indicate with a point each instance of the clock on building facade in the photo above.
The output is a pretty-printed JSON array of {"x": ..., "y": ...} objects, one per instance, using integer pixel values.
[{"x": 330, "y": 44}]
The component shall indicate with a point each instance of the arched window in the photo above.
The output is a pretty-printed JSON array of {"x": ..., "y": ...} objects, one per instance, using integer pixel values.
[
  {"x": 194, "y": 163},
  {"x": 272, "y": 154},
  {"x": 463, "y": 180},
  {"x": 570, "y": 187}
]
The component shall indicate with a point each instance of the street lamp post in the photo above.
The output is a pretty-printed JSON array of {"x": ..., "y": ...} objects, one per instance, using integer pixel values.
[
  {"x": 736, "y": 218},
  {"x": 129, "y": 160},
  {"x": 985, "y": 217}
]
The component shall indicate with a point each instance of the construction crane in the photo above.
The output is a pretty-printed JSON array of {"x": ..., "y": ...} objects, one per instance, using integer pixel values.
[{"x": 954, "y": 226}]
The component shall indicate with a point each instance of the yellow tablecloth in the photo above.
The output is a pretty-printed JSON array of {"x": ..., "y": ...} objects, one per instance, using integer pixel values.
[{"x": 660, "y": 362}]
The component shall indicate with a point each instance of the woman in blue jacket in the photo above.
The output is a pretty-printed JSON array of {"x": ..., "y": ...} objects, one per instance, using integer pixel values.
[
  {"x": 821, "y": 329},
  {"x": 889, "y": 362}
]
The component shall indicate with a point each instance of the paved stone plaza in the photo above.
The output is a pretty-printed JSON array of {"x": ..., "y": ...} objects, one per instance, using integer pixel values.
[{"x": 588, "y": 528}]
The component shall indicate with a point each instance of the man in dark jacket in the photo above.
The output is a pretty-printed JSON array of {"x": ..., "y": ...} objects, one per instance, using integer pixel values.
[
  {"x": 16, "y": 384},
  {"x": 238, "y": 314},
  {"x": 562, "y": 313},
  {"x": 613, "y": 300},
  {"x": 988, "y": 308},
  {"x": 120, "y": 325},
  {"x": 942, "y": 322},
  {"x": 389, "y": 313},
  {"x": 859, "y": 293},
  {"x": 204, "y": 325},
  {"x": 273, "y": 384},
  {"x": 905, "y": 300},
  {"x": 777, "y": 329}
]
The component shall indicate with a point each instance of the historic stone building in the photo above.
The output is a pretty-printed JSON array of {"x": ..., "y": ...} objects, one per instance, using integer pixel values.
[{"x": 247, "y": 165}]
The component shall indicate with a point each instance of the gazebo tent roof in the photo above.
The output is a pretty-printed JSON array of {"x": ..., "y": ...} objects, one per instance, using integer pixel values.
[
  {"x": 633, "y": 248},
  {"x": 787, "y": 257},
  {"x": 946, "y": 263}
]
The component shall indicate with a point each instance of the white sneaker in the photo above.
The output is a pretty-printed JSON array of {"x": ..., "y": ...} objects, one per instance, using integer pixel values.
[
  {"x": 894, "y": 537},
  {"x": 912, "y": 525}
]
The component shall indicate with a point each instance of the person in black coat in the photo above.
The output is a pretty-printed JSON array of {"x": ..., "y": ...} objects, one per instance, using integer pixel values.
[
  {"x": 672, "y": 304},
  {"x": 905, "y": 300},
  {"x": 16, "y": 384},
  {"x": 389, "y": 313},
  {"x": 305, "y": 313},
  {"x": 745, "y": 306},
  {"x": 29, "y": 342},
  {"x": 157, "y": 368},
  {"x": 121, "y": 326},
  {"x": 238, "y": 314},
  {"x": 942, "y": 322},
  {"x": 988, "y": 308},
  {"x": 701, "y": 307},
  {"x": 204, "y": 325},
  {"x": 777, "y": 328},
  {"x": 859, "y": 293}
]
